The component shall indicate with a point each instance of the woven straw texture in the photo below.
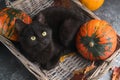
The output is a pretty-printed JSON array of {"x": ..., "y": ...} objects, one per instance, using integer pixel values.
[
  {"x": 31, "y": 7},
  {"x": 64, "y": 70}
]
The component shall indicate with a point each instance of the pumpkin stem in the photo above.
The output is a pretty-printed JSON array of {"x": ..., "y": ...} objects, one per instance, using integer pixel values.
[{"x": 91, "y": 44}]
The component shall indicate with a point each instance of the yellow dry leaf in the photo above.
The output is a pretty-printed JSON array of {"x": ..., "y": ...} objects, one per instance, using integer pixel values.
[
  {"x": 62, "y": 58},
  {"x": 78, "y": 71},
  {"x": 89, "y": 68}
]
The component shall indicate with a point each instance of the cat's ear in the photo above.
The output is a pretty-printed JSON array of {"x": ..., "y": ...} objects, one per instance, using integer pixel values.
[
  {"x": 19, "y": 25},
  {"x": 41, "y": 18}
]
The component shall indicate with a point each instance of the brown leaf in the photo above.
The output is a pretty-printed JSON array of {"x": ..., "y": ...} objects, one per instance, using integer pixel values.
[
  {"x": 63, "y": 3},
  {"x": 80, "y": 74},
  {"x": 116, "y": 73},
  {"x": 89, "y": 68},
  {"x": 57, "y": 2}
]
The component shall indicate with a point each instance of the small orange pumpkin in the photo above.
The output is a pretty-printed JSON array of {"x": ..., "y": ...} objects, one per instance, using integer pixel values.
[
  {"x": 96, "y": 40},
  {"x": 7, "y": 22},
  {"x": 92, "y": 4}
]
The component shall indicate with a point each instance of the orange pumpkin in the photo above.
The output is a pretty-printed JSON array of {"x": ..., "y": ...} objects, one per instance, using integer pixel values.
[
  {"x": 92, "y": 4},
  {"x": 7, "y": 22},
  {"x": 96, "y": 40}
]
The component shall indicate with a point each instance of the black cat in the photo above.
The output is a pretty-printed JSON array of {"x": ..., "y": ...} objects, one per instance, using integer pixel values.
[{"x": 52, "y": 31}]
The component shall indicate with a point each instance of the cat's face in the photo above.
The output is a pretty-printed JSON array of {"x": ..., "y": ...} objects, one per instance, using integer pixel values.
[
  {"x": 37, "y": 41},
  {"x": 35, "y": 36}
]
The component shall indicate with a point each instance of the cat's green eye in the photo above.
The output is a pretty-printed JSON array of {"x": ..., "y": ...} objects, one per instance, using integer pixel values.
[
  {"x": 44, "y": 33},
  {"x": 33, "y": 38}
]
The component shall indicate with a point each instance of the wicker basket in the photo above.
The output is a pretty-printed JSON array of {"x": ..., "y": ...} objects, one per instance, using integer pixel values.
[{"x": 64, "y": 70}]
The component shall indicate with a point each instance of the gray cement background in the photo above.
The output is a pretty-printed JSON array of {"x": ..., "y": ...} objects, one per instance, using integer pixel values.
[
  {"x": 110, "y": 11},
  {"x": 12, "y": 69}
]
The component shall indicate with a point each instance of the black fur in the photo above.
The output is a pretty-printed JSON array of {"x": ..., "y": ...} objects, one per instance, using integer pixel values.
[{"x": 61, "y": 26}]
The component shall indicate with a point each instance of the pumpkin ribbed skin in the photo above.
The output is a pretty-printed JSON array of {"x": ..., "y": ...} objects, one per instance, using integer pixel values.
[
  {"x": 7, "y": 22},
  {"x": 96, "y": 40},
  {"x": 92, "y": 4}
]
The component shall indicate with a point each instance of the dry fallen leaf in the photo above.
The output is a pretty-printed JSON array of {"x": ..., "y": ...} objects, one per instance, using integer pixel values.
[
  {"x": 62, "y": 58},
  {"x": 116, "y": 73},
  {"x": 64, "y": 3},
  {"x": 80, "y": 74},
  {"x": 89, "y": 68}
]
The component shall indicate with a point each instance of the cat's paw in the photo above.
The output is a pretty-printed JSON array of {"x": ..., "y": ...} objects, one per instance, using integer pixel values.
[
  {"x": 48, "y": 66},
  {"x": 51, "y": 64}
]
